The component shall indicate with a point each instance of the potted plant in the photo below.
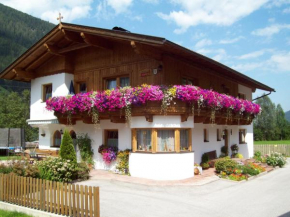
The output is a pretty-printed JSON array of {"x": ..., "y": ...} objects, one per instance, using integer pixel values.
[
  {"x": 235, "y": 149},
  {"x": 197, "y": 169}
]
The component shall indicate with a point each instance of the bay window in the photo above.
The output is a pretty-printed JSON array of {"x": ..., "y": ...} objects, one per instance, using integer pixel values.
[{"x": 144, "y": 140}]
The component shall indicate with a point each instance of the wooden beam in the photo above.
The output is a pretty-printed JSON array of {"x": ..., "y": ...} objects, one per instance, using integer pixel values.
[
  {"x": 52, "y": 49},
  {"x": 154, "y": 140},
  {"x": 199, "y": 119},
  {"x": 73, "y": 48},
  {"x": 32, "y": 64},
  {"x": 20, "y": 73},
  {"x": 118, "y": 119},
  {"x": 70, "y": 36},
  {"x": 146, "y": 51},
  {"x": 190, "y": 139},
  {"x": 177, "y": 140},
  {"x": 149, "y": 118},
  {"x": 184, "y": 117},
  {"x": 96, "y": 41}
]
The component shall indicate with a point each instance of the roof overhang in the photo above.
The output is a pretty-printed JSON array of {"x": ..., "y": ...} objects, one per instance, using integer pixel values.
[{"x": 65, "y": 38}]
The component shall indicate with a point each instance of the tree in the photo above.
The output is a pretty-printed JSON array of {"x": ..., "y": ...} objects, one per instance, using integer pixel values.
[
  {"x": 266, "y": 121},
  {"x": 67, "y": 151},
  {"x": 281, "y": 123},
  {"x": 15, "y": 110}
]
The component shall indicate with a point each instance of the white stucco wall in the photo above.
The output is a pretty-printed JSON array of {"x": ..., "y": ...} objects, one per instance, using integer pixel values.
[
  {"x": 60, "y": 87},
  {"x": 173, "y": 166}
]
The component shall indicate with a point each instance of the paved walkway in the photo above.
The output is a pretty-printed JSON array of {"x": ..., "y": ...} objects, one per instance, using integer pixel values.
[
  {"x": 264, "y": 196},
  {"x": 206, "y": 177}
]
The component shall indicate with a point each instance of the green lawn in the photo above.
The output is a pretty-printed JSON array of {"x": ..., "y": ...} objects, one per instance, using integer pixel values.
[
  {"x": 10, "y": 158},
  {"x": 284, "y": 142},
  {"x": 4, "y": 213}
]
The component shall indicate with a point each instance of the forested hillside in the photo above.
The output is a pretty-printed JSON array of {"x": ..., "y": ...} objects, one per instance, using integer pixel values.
[{"x": 18, "y": 32}]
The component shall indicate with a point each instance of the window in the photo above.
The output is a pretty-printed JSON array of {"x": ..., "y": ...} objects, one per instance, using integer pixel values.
[
  {"x": 111, "y": 138},
  {"x": 56, "y": 139},
  {"x": 242, "y": 136},
  {"x": 241, "y": 96},
  {"x": 82, "y": 87},
  {"x": 184, "y": 143},
  {"x": 189, "y": 81},
  {"x": 113, "y": 83},
  {"x": 144, "y": 140},
  {"x": 205, "y": 135},
  {"x": 124, "y": 82},
  {"x": 47, "y": 92},
  {"x": 218, "y": 135},
  {"x": 165, "y": 140}
]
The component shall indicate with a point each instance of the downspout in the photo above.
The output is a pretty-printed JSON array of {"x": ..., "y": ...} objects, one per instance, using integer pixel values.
[{"x": 263, "y": 95}]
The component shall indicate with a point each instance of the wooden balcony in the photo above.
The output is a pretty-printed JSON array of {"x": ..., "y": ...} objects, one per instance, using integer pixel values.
[{"x": 150, "y": 109}]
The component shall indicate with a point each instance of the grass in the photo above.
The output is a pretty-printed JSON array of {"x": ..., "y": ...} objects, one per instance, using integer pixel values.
[
  {"x": 4, "y": 213},
  {"x": 10, "y": 158},
  {"x": 279, "y": 142}
]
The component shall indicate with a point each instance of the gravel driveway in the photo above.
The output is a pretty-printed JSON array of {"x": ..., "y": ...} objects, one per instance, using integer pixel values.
[{"x": 265, "y": 196}]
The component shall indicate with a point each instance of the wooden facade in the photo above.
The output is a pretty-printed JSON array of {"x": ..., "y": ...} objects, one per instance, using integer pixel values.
[{"x": 96, "y": 55}]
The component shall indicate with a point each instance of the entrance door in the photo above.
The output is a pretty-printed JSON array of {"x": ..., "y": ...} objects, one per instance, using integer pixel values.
[{"x": 226, "y": 138}]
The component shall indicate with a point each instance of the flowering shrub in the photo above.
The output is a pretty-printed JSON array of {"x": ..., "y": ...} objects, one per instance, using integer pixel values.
[
  {"x": 276, "y": 159},
  {"x": 123, "y": 161},
  {"x": 224, "y": 164},
  {"x": 109, "y": 153},
  {"x": 238, "y": 177},
  {"x": 57, "y": 169},
  {"x": 123, "y": 98}
]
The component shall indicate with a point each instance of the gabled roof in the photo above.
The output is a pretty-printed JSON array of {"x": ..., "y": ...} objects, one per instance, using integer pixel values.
[{"x": 66, "y": 37}]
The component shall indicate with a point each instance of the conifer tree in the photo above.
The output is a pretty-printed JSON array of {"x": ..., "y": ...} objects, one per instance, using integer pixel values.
[{"x": 67, "y": 151}]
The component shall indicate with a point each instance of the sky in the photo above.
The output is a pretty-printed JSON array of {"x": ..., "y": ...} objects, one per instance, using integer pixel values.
[{"x": 250, "y": 36}]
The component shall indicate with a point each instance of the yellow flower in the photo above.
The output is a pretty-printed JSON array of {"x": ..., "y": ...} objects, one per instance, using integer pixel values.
[
  {"x": 172, "y": 91},
  {"x": 108, "y": 92}
]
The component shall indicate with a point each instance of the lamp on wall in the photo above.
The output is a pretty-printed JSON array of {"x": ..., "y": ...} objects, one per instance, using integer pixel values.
[
  {"x": 43, "y": 134},
  {"x": 61, "y": 132}
]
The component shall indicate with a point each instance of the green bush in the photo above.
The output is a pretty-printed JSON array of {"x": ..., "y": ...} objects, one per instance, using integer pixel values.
[
  {"x": 204, "y": 166},
  {"x": 67, "y": 151},
  {"x": 82, "y": 171},
  {"x": 223, "y": 164},
  {"x": 5, "y": 169},
  {"x": 258, "y": 156},
  {"x": 204, "y": 158},
  {"x": 238, "y": 155},
  {"x": 224, "y": 150},
  {"x": 276, "y": 159},
  {"x": 247, "y": 170},
  {"x": 57, "y": 169},
  {"x": 85, "y": 145}
]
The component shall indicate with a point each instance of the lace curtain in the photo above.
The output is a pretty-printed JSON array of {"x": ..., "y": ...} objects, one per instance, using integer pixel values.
[{"x": 165, "y": 140}]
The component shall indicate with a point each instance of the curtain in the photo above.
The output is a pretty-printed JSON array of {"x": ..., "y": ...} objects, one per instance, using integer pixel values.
[
  {"x": 183, "y": 140},
  {"x": 165, "y": 140},
  {"x": 124, "y": 82},
  {"x": 144, "y": 140},
  {"x": 112, "y": 84},
  {"x": 48, "y": 92}
]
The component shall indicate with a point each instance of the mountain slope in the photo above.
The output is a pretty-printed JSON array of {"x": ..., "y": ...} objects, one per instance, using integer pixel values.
[{"x": 18, "y": 32}]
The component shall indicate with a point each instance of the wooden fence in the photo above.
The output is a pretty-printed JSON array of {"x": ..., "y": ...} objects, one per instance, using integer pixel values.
[
  {"x": 268, "y": 149},
  {"x": 54, "y": 197}
]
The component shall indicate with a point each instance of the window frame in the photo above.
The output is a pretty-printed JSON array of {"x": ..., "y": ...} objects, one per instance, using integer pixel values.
[
  {"x": 44, "y": 91},
  {"x": 218, "y": 135},
  {"x": 106, "y": 136},
  {"x": 205, "y": 135},
  {"x": 193, "y": 80},
  {"x": 154, "y": 140},
  {"x": 245, "y": 133},
  {"x": 54, "y": 134},
  {"x": 118, "y": 80},
  {"x": 241, "y": 96}
]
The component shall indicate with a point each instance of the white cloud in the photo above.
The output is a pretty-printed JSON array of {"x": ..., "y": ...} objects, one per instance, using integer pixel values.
[
  {"x": 277, "y": 3},
  {"x": 203, "y": 43},
  {"x": 216, "y": 54},
  {"x": 151, "y": 1},
  {"x": 49, "y": 9},
  {"x": 270, "y": 30},
  {"x": 231, "y": 41},
  {"x": 248, "y": 66},
  {"x": 222, "y": 12},
  {"x": 281, "y": 61},
  {"x": 120, "y": 6},
  {"x": 286, "y": 11},
  {"x": 252, "y": 55},
  {"x": 272, "y": 20},
  {"x": 198, "y": 35}
]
